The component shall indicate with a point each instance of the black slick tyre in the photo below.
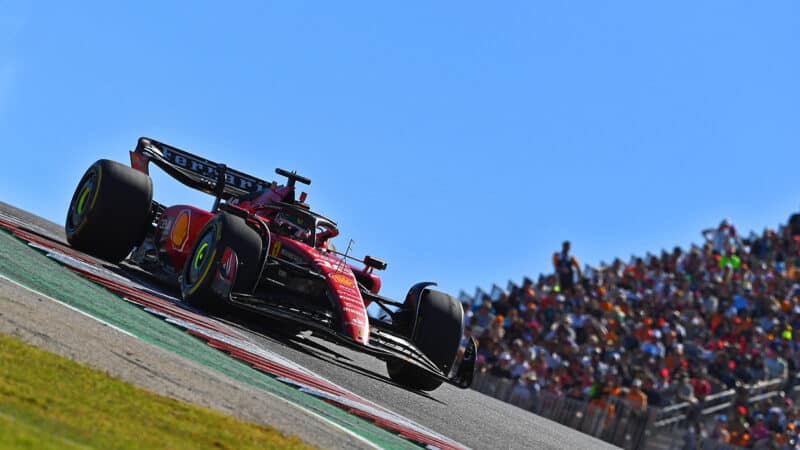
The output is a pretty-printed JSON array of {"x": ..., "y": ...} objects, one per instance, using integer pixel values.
[
  {"x": 110, "y": 210},
  {"x": 205, "y": 260},
  {"x": 438, "y": 330}
]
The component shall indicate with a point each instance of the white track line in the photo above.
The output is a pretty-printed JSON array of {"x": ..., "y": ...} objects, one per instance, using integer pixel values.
[{"x": 16, "y": 283}]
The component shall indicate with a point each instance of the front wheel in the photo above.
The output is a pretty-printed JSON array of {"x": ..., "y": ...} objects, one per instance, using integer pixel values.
[
  {"x": 436, "y": 330},
  {"x": 225, "y": 257}
]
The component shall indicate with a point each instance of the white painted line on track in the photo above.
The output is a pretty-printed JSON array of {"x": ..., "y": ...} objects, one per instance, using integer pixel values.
[
  {"x": 16, "y": 283},
  {"x": 332, "y": 423}
]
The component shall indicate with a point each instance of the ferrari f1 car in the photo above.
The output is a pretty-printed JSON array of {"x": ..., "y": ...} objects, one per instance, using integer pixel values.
[{"x": 261, "y": 249}]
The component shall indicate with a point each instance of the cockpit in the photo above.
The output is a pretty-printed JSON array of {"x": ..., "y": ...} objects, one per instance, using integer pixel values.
[
  {"x": 294, "y": 226},
  {"x": 298, "y": 224}
]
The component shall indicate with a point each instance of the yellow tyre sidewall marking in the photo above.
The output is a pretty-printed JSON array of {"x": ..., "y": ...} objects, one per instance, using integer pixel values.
[
  {"x": 205, "y": 272},
  {"x": 97, "y": 187},
  {"x": 210, "y": 262}
]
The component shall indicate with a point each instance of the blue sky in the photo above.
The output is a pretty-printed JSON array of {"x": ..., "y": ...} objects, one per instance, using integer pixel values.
[{"x": 460, "y": 141}]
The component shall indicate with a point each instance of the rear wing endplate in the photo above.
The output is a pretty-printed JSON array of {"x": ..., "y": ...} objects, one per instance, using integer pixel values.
[{"x": 198, "y": 173}]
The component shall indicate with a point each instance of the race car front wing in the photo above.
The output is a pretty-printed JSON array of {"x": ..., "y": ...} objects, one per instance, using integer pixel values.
[{"x": 383, "y": 342}]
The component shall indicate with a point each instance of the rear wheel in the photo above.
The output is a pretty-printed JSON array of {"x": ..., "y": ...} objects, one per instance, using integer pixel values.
[
  {"x": 110, "y": 210},
  {"x": 438, "y": 330},
  {"x": 225, "y": 257}
]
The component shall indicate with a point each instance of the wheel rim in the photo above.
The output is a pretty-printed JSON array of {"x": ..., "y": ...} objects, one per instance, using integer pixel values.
[
  {"x": 82, "y": 202},
  {"x": 201, "y": 257}
]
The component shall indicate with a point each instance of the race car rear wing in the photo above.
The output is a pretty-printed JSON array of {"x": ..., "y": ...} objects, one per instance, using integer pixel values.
[{"x": 198, "y": 173}]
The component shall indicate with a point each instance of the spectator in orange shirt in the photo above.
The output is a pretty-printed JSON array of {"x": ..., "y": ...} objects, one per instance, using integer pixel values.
[
  {"x": 566, "y": 266},
  {"x": 636, "y": 398}
]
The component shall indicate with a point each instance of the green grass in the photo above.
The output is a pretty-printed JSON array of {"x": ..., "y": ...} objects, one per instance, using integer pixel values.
[{"x": 49, "y": 402}]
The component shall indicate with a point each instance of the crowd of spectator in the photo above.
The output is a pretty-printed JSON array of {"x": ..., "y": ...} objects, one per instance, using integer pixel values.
[{"x": 659, "y": 330}]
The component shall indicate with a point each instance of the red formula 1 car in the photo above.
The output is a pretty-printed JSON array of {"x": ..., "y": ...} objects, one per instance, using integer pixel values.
[{"x": 263, "y": 250}]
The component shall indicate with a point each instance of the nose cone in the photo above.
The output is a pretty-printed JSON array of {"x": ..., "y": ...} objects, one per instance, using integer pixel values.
[{"x": 343, "y": 287}]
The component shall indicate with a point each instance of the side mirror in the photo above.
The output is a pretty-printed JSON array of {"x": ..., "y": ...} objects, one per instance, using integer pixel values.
[{"x": 374, "y": 263}]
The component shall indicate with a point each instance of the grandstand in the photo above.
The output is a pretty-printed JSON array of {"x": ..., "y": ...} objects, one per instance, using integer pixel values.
[{"x": 692, "y": 348}]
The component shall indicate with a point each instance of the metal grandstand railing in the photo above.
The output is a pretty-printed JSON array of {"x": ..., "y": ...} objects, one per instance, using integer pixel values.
[{"x": 616, "y": 421}]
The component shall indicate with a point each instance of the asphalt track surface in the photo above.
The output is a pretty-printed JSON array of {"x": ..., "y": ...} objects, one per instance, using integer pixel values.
[{"x": 465, "y": 416}]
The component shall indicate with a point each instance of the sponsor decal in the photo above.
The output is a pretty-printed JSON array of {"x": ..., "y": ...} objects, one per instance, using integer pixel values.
[
  {"x": 202, "y": 167},
  {"x": 180, "y": 230},
  {"x": 354, "y": 311},
  {"x": 349, "y": 296},
  {"x": 342, "y": 279}
]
